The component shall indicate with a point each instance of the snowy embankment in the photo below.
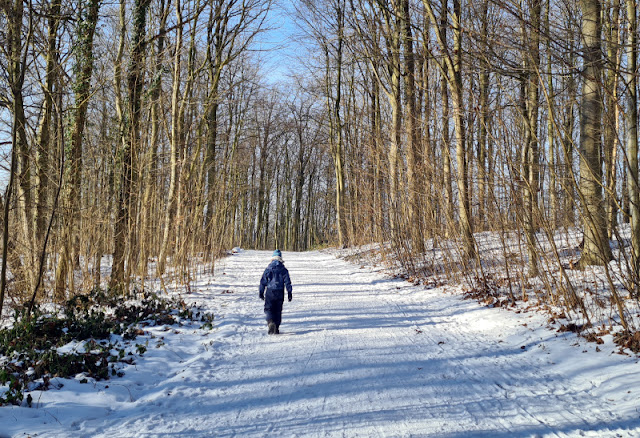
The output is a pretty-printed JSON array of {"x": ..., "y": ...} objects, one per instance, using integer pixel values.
[{"x": 359, "y": 355}]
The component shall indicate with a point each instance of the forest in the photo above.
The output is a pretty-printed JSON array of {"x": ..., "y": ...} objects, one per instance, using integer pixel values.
[{"x": 493, "y": 142}]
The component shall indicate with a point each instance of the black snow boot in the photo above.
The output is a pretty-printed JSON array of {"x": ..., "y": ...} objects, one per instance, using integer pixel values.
[
  {"x": 278, "y": 329},
  {"x": 272, "y": 327}
]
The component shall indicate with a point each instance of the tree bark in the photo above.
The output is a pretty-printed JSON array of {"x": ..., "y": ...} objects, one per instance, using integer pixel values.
[
  {"x": 414, "y": 172},
  {"x": 453, "y": 72},
  {"x": 551, "y": 127},
  {"x": 176, "y": 146},
  {"x": 87, "y": 22},
  {"x": 483, "y": 122},
  {"x": 596, "y": 249},
  {"x": 632, "y": 132},
  {"x": 126, "y": 196},
  {"x": 530, "y": 153},
  {"x": 611, "y": 113},
  {"x": 45, "y": 143},
  {"x": 334, "y": 102},
  {"x": 16, "y": 50}
]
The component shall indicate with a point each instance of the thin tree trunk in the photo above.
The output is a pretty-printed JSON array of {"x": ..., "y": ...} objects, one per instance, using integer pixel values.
[
  {"x": 530, "y": 154},
  {"x": 611, "y": 114},
  {"x": 335, "y": 121},
  {"x": 414, "y": 172},
  {"x": 216, "y": 33},
  {"x": 632, "y": 131},
  {"x": 568, "y": 148},
  {"x": 457, "y": 91},
  {"x": 5, "y": 215},
  {"x": 378, "y": 183},
  {"x": 45, "y": 143},
  {"x": 483, "y": 122},
  {"x": 425, "y": 115},
  {"x": 447, "y": 173},
  {"x": 150, "y": 192},
  {"x": 393, "y": 36},
  {"x": 16, "y": 69},
  {"x": 551, "y": 130},
  {"x": 176, "y": 147}
]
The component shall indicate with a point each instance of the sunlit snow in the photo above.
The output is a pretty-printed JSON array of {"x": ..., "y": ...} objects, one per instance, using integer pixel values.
[{"x": 360, "y": 355}]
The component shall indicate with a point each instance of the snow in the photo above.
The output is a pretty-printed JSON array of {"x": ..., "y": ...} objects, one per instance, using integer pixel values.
[{"x": 360, "y": 355}]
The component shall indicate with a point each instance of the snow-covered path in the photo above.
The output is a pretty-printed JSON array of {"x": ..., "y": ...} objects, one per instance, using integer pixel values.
[{"x": 359, "y": 355}]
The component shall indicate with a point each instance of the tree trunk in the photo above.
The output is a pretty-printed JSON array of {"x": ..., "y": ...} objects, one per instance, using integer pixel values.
[
  {"x": 378, "y": 145},
  {"x": 424, "y": 119},
  {"x": 483, "y": 121},
  {"x": 611, "y": 113},
  {"x": 457, "y": 91},
  {"x": 568, "y": 149},
  {"x": 551, "y": 128},
  {"x": 632, "y": 132},
  {"x": 150, "y": 191},
  {"x": 45, "y": 143},
  {"x": 6, "y": 207},
  {"x": 216, "y": 39},
  {"x": 126, "y": 196},
  {"x": 335, "y": 120},
  {"x": 16, "y": 69},
  {"x": 530, "y": 154},
  {"x": 176, "y": 147},
  {"x": 596, "y": 249},
  {"x": 87, "y": 21},
  {"x": 414, "y": 172},
  {"x": 447, "y": 173}
]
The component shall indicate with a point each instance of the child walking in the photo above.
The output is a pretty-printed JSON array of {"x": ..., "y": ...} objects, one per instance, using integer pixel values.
[{"x": 272, "y": 285}]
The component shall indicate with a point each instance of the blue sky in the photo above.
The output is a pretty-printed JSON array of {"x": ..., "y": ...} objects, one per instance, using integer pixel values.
[{"x": 279, "y": 41}]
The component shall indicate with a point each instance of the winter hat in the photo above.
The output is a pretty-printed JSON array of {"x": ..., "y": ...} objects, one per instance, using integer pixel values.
[{"x": 277, "y": 253}]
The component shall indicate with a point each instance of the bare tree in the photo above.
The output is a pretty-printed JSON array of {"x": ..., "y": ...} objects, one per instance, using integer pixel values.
[
  {"x": 596, "y": 245},
  {"x": 86, "y": 26},
  {"x": 179, "y": 102},
  {"x": 451, "y": 67},
  {"x": 324, "y": 23},
  {"x": 414, "y": 170},
  {"x": 611, "y": 24},
  {"x": 632, "y": 131},
  {"x": 15, "y": 53},
  {"x": 233, "y": 25},
  {"x": 151, "y": 163},
  {"x": 530, "y": 151},
  {"x": 135, "y": 82},
  {"x": 45, "y": 142}
]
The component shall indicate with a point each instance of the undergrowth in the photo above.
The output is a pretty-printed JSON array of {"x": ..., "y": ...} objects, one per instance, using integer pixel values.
[{"x": 105, "y": 324}]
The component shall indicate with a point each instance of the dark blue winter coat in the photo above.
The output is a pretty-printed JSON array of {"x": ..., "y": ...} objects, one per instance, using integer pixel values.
[
  {"x": 274, "y": 280},
  {"x": 272, "y": 285}
]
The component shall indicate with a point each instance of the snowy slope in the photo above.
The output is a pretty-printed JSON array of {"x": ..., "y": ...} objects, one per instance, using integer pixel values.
[{"x": 359, "y": 355}]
